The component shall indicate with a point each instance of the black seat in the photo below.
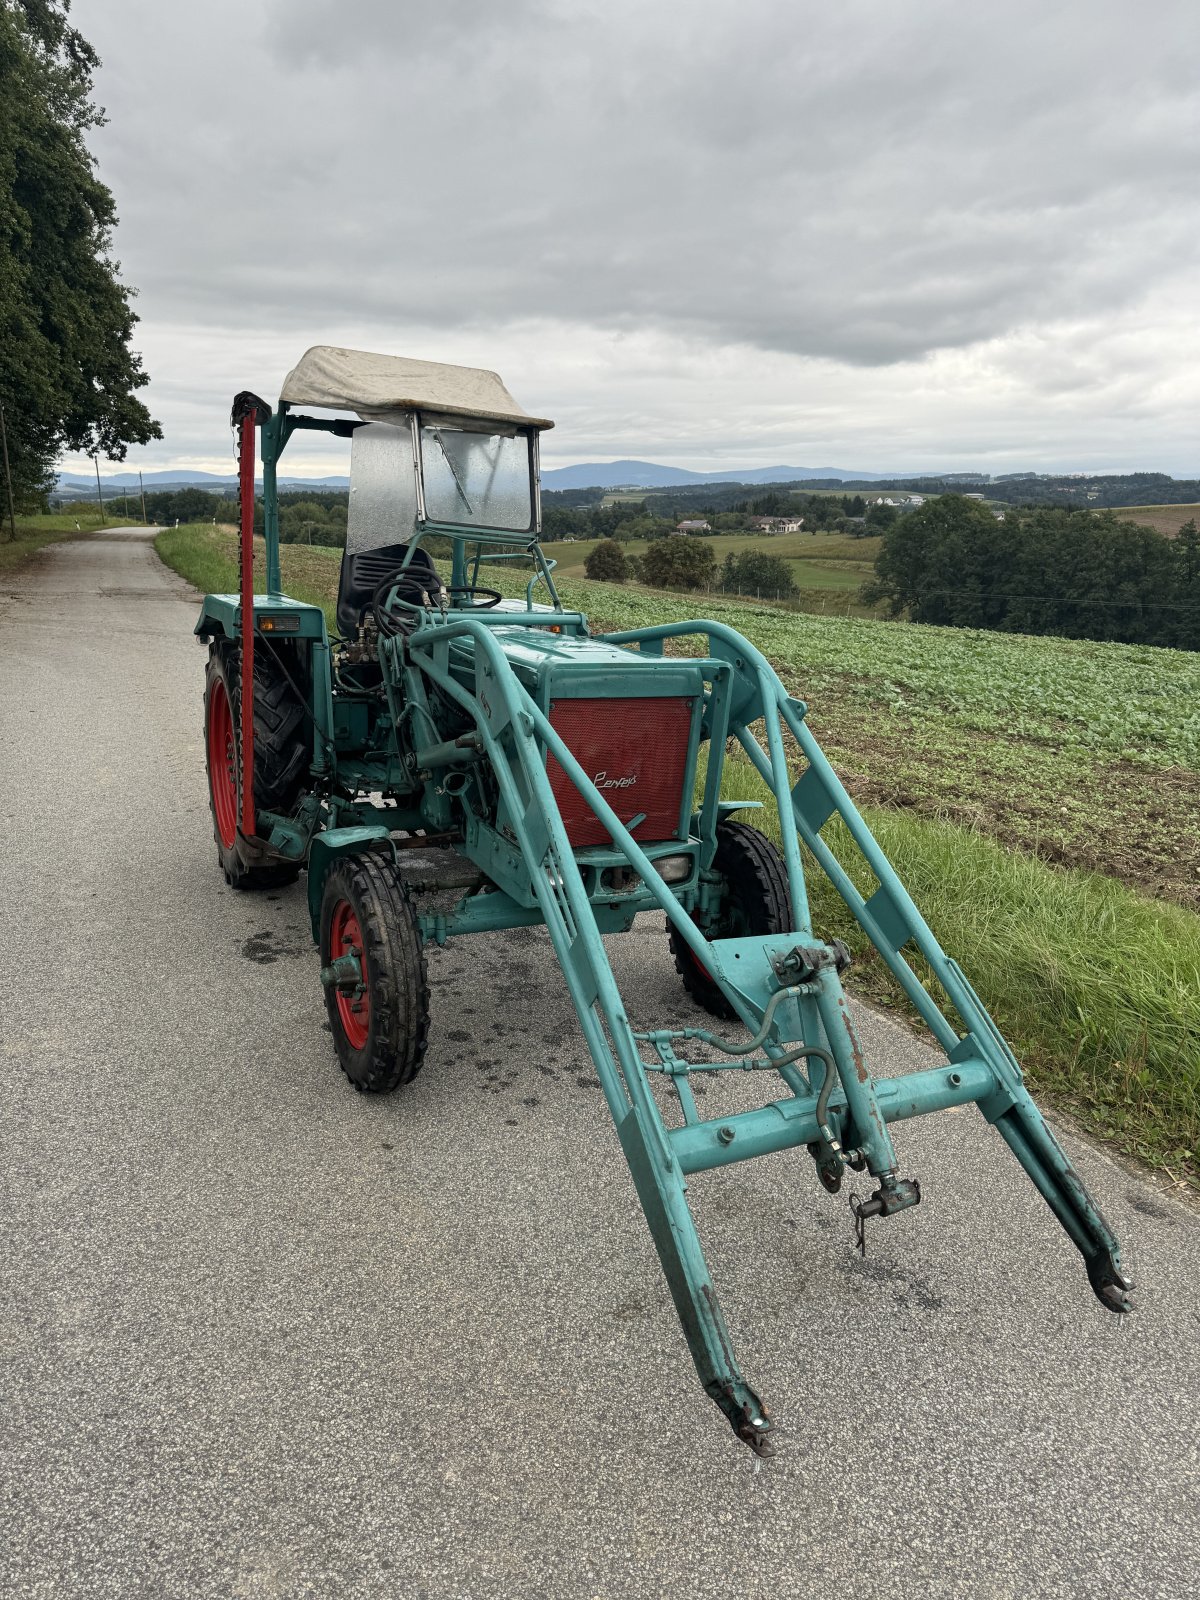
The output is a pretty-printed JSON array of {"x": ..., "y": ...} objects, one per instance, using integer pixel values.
[{"x": 362, "y": 573}]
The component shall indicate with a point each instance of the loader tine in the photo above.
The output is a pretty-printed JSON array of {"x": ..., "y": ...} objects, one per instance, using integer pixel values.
[
  {"x": 661, "y": 1189},
  {"x": 1027, "y": 1135}
]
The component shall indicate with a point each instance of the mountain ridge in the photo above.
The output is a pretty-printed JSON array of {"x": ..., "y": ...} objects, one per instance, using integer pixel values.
[
  {"x": 634, "y": 474},
  {"x": 623, "y": 474}
]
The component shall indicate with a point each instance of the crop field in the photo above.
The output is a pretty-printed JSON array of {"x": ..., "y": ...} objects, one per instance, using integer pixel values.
[
  {"x": 1041, "y": 797},
  {"x": 1163, "y": 519}
]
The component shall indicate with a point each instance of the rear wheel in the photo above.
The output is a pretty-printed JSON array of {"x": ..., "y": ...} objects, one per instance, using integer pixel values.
[
  {"x": 755, "y": 900},
  {"x": 380, "y": 1015},
  {"x": 281, "y": 757}
]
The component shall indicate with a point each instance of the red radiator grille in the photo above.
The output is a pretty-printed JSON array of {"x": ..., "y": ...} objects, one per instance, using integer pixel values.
[{"x": 635, "y": 751}]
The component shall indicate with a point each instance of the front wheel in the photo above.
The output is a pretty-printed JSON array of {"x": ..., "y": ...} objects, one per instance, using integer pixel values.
[
  {"x": 755, "y": 899},
  {"x": 378, "y": 1001}
]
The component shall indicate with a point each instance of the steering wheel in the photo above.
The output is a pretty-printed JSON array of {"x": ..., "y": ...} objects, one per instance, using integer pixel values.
[{"x": 494, "y": 596}]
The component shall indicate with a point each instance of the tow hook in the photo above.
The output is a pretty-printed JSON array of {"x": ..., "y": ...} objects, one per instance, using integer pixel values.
[{"x": 893, "y": 1194}]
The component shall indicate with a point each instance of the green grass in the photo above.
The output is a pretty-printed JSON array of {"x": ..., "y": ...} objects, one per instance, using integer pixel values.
[
  {"x": 1127, "y": 700},
  {"x": 1097, "y": 988},
  {"x": 817, "y": 561},
  {"x": 34, "y": 533},
  {"x": 958, "y": 746},
  {"x": 209, "y": 561}
]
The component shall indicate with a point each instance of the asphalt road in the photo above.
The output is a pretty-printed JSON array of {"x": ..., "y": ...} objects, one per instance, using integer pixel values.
[{"x": 263, "y": 1337}]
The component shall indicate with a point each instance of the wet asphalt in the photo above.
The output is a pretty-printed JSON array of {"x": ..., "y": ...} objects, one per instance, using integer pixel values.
[{"x": 262, "y": 1337}]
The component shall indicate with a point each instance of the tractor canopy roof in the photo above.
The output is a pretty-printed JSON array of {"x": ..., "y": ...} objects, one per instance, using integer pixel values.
[{"x": 386, "y": 388}]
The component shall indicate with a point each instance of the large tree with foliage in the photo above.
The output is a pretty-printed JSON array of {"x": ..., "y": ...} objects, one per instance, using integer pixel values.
[
  {"x": 1082, "y": 574},
  {"x": 607, "y": 562},
  {"x": 755, "y": 572},
  {"x": 679, "y": 562},
  {"x": 67, "y": 373}
]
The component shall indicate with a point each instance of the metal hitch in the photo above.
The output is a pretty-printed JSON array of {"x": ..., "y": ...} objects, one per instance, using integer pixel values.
[
  {"x": 345, "y": 973},
  {"x": 893, "y": 1194}
]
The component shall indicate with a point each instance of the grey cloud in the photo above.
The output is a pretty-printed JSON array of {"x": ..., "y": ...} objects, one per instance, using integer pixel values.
[{"x": 866, "y": 184}]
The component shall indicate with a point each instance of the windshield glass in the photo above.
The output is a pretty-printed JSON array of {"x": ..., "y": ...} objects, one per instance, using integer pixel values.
[{"x": 480, "y": 479}]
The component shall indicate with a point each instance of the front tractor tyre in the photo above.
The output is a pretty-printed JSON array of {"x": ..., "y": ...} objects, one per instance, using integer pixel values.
[
  {"x": 377, "y": 993},
  {"x": 755, "y": 900},
  {"x": 281, "y": 757}
]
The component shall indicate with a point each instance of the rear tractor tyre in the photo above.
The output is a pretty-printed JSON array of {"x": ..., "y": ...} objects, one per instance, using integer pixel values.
[
  {"x": 756, "y": 901},
  {"x": 281, "y": 756},
  {"x": 381, "y": 1024}
]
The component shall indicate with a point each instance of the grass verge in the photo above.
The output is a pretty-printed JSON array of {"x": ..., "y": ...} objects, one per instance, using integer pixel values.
[
  {"x": 34, "y": 533},
  {"x": 1096, "y": 988},
  {"x": 1096, "y": 985}
]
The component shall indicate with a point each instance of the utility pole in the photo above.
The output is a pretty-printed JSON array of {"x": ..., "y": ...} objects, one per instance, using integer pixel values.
[
  {"x": 142, "y": 492},
  {"x": 99, "y": 496},
  {"x": 12, "y": 521}
]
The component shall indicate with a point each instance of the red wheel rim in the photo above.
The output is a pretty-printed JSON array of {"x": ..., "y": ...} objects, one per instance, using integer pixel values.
[
  {"x": 222, "y": 763},
  {"x": 354, "y": 1008},
  {"x": 696, "y": 961}
]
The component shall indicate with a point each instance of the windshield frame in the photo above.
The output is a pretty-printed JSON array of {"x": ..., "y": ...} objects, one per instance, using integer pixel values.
[{"x": 488, "y": 533}]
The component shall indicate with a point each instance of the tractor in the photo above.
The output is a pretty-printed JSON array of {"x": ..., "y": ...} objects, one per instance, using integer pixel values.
[{"x": 455, "y": 760}]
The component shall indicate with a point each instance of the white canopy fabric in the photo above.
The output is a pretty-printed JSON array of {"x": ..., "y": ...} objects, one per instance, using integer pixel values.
[{"x": 378, "y": 387}]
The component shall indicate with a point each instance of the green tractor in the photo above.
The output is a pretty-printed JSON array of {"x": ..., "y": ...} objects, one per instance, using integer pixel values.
[{"x": 456, "y": 762}]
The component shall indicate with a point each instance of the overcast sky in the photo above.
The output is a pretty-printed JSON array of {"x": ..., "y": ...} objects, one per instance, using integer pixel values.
[{"x": 875, "y": 234}]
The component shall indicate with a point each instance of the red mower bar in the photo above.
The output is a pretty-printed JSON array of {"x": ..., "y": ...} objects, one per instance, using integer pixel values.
[{"x": 246, "y": 451}]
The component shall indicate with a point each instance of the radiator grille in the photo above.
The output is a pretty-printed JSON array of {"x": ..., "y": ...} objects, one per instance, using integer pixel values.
[{"x": 635, "y": 751}]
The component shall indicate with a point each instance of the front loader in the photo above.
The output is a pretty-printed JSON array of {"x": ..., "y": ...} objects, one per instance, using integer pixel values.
[{"x": 455, "y": 762}]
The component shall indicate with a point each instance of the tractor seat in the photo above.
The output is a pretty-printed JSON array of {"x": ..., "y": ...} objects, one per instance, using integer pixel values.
[{"x": 362, "y": 573}]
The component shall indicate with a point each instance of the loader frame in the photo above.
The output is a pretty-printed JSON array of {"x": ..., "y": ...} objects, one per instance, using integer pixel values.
[{"x": 785, "y": 990}]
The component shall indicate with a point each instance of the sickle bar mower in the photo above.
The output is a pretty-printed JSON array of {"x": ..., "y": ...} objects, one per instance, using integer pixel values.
[{"x": 457, "y": 763}]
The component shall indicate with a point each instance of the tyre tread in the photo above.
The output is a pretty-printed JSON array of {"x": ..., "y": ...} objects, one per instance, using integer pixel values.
[
  {"x": 281, "y": 761},
  {"x": 399, "y": 1029},
  {"x": 756, "y": 873}
]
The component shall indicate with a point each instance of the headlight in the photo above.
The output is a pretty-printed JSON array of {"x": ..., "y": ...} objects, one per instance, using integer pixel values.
[{"x": 674, "y": 869}]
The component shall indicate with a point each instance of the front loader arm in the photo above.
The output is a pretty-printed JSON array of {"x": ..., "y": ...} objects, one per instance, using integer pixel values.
[
  {"x": 785, "y": 989},
  {"x": 892, "y": 922}
]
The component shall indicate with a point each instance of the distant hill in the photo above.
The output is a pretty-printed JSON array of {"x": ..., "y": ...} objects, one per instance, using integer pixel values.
[
  {"x": 649, "y": 475},
  {"x": 117, "y": 482},
  {"x": 595, "y": 475},
  {"x": 1040, "y": 488}
]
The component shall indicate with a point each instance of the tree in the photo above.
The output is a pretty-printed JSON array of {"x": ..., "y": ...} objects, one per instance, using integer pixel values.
[
  {"x": 930, "y": 561},
  {"x": 678, "y": 562},
  {"x": 1050, "y": 570},
  {"x": 881, "y": 516},
  {"x": 1187, "y": 587},
  {"x": 643, "y": 528},
  {"x": 67, "y": 374},
  {"x": 607, "y": 562},
  {"x": 755, "y": 572},
  {"x": 772, "y": 505}
]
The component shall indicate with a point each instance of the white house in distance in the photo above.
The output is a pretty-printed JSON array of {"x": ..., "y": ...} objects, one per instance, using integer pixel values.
[
  {"x": 693, "y": 527},
  {"x": 778, "y": 524}
]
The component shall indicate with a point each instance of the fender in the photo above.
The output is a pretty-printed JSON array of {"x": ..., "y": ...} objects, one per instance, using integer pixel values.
[{"x": 325, "y": 850}]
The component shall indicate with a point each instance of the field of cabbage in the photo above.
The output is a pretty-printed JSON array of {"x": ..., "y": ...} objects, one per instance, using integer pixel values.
[
  {"x": 1084, "y": 754},
  {"x": 1129, "y": 701}
]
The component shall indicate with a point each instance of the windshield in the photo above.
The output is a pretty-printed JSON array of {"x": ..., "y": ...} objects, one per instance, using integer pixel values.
[{"x": 479, "y": 479}]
